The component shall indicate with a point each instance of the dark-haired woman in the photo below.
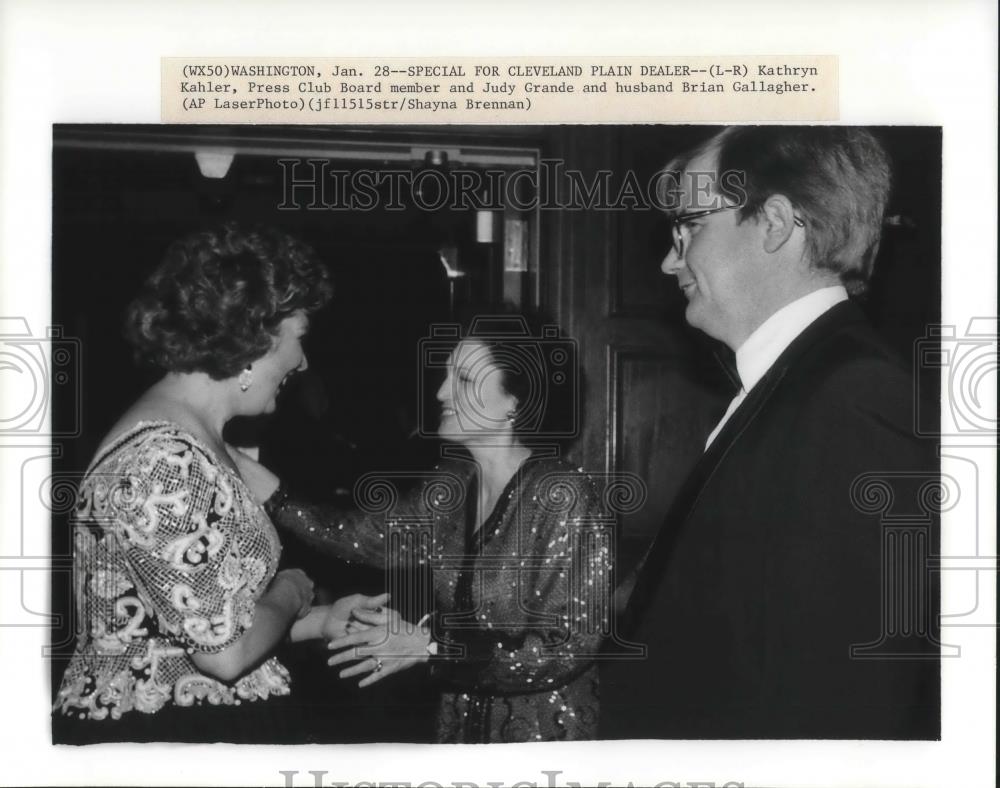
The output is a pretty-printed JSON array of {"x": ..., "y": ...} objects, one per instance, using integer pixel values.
[
  {"x": 179, "y": 600},
  {"x": 519, "y": 551}
]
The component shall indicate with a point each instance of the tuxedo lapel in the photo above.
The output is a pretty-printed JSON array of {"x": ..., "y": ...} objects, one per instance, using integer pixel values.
[{"x": 650, "y": 568}]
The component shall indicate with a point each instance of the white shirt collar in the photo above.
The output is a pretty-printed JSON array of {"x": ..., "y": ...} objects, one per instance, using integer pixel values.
[{"x": 762, "y": 348}]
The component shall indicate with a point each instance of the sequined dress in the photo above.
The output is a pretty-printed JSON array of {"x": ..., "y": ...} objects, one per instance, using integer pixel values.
[
  {"x": 171, "y": 553},
  {"x": 520, "y": 606}
]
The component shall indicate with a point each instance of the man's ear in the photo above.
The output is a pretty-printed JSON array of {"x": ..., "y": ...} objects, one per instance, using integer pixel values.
[{"x": 778, "y": 218}]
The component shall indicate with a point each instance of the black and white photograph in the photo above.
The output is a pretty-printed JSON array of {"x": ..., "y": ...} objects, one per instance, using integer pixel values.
[
  {"x": 498, "y": 434},
  {"x": 498, "y": 394}
]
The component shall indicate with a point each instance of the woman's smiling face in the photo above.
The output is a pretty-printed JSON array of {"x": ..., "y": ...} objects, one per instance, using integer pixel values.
[
  {"x": 285, "y": 358},
  {"x": 473, "y": 399}
]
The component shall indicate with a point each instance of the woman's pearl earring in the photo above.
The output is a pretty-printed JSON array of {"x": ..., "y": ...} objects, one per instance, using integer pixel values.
[{"x": 246, "y": 378}]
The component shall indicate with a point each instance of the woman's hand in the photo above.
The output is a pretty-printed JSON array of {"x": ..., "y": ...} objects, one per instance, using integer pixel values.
[
  {"x": 342, "y": 618},
  {"x": 387, "y": 645},
  {"x": 289, "y": 593},
  {"x": 332, "y": 621},
  {"x": 300, "y": 583}
]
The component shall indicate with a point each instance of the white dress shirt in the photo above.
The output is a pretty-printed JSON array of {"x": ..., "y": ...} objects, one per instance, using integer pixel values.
[{"x": 762, "y": 348}]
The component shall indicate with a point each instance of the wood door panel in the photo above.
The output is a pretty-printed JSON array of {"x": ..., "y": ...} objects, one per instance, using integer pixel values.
[{"x": 653, "y": 390}]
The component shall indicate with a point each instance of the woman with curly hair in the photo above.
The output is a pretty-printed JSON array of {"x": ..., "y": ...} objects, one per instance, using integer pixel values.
[{"x": 179, "y": 601}]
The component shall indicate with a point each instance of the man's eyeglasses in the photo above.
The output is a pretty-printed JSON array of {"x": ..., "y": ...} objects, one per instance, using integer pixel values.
[{"x": 681, "y": 225}]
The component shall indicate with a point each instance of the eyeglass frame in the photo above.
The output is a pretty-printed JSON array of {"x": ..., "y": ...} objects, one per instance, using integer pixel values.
[{"x": 682, "y": 219}]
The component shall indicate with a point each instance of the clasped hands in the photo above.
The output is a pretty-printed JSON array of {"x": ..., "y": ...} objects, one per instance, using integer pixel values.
[
  {"x": 363, "y": 631},
  {"x": 376, "y": 639}
]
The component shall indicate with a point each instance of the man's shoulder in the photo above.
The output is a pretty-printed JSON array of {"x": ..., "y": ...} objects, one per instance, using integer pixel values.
[
  {"x": 842, "y": 386},
  {"x": 848, "y": 358},
  {"x": 852, "y": 395}
]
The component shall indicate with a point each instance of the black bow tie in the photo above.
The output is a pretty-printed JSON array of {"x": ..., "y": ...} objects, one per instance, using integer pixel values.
[{"x": 727, "y": 360}]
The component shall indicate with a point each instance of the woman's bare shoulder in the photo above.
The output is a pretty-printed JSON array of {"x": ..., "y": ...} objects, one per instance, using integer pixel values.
[{"x": 148, "y": 410}]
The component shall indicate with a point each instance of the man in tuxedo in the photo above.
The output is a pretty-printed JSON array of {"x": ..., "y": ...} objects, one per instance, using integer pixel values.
[{"x": 777, "y": 601}]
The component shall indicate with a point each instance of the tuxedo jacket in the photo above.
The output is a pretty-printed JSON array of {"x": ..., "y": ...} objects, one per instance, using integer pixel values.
[{"x": 788, "y": 594}]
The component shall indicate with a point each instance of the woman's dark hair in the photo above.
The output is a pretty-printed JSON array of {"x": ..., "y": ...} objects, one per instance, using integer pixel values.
[
  {"x": 539, "y": 367},
  {"x": 215, "y": 302}
]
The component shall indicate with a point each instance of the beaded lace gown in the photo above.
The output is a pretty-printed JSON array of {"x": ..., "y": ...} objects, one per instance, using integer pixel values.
[
  {"x": 520, "y": 606},
  {"x": 171, "y": 553}
]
